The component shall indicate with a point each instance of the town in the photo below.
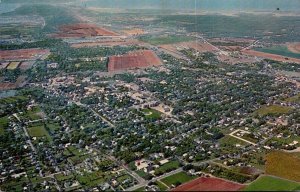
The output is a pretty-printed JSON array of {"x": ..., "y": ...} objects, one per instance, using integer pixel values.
[{"x": 108, "y": 101}]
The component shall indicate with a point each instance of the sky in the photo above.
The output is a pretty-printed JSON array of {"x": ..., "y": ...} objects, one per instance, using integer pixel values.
[{"x": 226, "y": 5}]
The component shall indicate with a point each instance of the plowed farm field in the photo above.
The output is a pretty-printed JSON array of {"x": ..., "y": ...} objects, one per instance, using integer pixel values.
[
  {"x": 209, "y": 184},
  {"x": 135, "y": 59},
  {"x": 83, "y": 30},
  {"x": 23, "y": 54}
]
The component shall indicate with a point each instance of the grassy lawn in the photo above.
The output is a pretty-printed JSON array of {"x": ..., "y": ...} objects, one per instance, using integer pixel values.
[
  {"x": 161, "y": 186},
  {"x": 151, "y": 113},
  {"x": 165, "y": 39},
  {"x": 267, "y": 183},
  {"x": 172, "y": 165},
  {"x": 228, "y": 140},
  {"x": 38, "y": 131},
  {"x": 250, "y": 138},
  {"x": 273, "y": 110},
  {"x": 3, "y": 124},
  {"x": 142, "y": 174},
  {"x": 178, "y": 178},
  {"x": 276, "y": 164}
]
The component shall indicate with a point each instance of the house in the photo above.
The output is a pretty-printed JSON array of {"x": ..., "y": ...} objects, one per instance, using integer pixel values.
[{"x": 141, "y": 164}]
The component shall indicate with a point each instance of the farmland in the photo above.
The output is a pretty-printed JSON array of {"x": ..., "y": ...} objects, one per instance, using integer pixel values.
[
  {"x": 131, "y": 60},
  {"x": 279, "y": 50},
  {"x": 82, "y": 30},
  {"x": 13, "y": 65},
  {"x": 271, "y": 56},
  {"x": 276, "y": 164},
  {"x": 23, "y": 54},
  {"x": 268, "y": 183},
  {"x": 209, "y": 184}
]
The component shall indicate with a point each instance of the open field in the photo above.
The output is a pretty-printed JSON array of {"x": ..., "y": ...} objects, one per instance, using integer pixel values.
[
  {"x": 273, "y": 110},
  {"x": 177, "y": 178},
  {"x": 294, "y": 47},
  {"x": 268, "y": 183},
  {"x": 136, "y": 59},
  {"x": 279, "y": 50},
  {"x": 270, "y": 56},
  {"x": 38, "y": 131},
  {"x": 23, "y": 54},
  {"x": 276, "y": 164},
  {"x": 82, "y": 30},
  {"x": 209, "y": 184}
]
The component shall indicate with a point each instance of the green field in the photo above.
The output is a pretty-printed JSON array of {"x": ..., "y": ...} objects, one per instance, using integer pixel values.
[
  {"x": 165, "y": 39},
  {"x": 273, "y": 110},
  {"x": 172, "y": 165},
  {"x": 161, "y": 186},
  {"x": 279, "y": 50},
  {"x": 38, "y": 131},
  {"x": 267, "y": 183},
  {"x": 178, "y": 178},
  {"x": 151, "y": 113}
]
